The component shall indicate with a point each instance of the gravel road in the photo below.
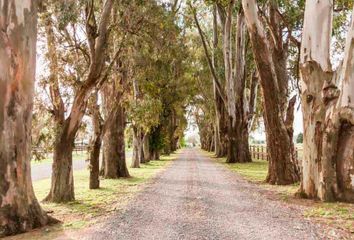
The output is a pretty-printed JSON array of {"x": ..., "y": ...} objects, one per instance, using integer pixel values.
[{"x": 196, "y": 198}]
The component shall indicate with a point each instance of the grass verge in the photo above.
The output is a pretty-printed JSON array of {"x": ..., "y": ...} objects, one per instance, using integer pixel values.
[
  {"x": 49, "y": 158},
  {"x": 92, "y": 206},
  {"x": 339, "y": 215}
]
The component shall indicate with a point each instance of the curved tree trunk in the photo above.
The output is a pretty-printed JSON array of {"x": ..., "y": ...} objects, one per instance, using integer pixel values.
[
  {"x": 62, "y": 187},
  {"x": 19, "y": 208},
  {"x": 327, "y": 105}
]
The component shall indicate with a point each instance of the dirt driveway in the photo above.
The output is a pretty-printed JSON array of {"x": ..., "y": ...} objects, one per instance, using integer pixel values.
[{"x": 196, "y": 198}]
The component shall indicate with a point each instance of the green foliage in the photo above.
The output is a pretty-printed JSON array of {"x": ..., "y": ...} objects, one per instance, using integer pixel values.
[
  {"x": 145, "y": 112},
  {"x": 300, "y": 138}
]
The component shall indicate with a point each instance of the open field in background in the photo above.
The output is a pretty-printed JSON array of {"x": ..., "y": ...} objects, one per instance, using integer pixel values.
[
  {"x": 339, "y": 215},
  {"x": 77, "y": 155},
  {"x": 298, "y": 149},
  {"x": 81, "y": 155},
  {"x": 91, "y": 206}
]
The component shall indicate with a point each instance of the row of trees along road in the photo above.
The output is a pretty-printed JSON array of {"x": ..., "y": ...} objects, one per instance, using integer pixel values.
[
  {"x": 119, "y": 63},
  {"x": 137, "y": 65},
  {"x": 286, "y": 47}
]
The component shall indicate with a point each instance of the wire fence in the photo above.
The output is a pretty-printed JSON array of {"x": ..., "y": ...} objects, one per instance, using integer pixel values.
[{"x": 259, "y": 152}]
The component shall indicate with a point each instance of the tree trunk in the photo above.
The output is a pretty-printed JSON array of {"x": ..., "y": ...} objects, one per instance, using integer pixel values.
[
  {"x": 328, "y": 114},
  {"x": 96, "y": 143},
  {"x": 114, "y": 147},
  {"x": 141, "y": 147},
  {"x": 94, "y": 164},
  {"x": 220, "y": 102},
  {"x": 146, "y": 147},
  {"x": 136, "y": 148},
  {"x": 230, "y": 85},
  {"x": 19, "y": 208},
  {"x": 282, "y": 164},
  {"x": 62, "y": 185},
  {"x": 221, "y": 128}
]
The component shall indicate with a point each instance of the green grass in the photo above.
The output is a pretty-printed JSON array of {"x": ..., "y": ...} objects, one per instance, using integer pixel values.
[
  {"x": 255, "y": 171},
  {"x": 49, "y": 158},
  {"x": 337, "y": 214},
  {"x": 340, "y": 215},
  {"x": 91, "y": 206}
]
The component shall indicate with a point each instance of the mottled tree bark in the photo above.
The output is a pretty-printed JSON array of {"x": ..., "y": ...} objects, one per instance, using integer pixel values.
[
  {"x": 19, "y": 208},
  {"x": 96, "y": 142},
  {"x": 282, "y": 164},
  {"x": 328, "y": 160},
  {"x": 62, "y": 187},
  {"x": 114, "y": 147}
]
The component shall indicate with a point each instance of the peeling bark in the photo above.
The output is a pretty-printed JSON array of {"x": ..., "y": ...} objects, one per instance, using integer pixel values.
[
  {"x": 327, "y": 109},
  {"x": 269, "y": 55},
  {"x": 114, "y": 147},
  {"x": 62, "y": 187},
  {"x": 19, "y": 208}
]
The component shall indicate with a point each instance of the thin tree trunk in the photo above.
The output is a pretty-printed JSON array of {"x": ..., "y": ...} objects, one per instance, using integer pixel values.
[
  {"x": 141, "y": 148},
  {"x": 96, "y": 143},
  {"x": 220, "y": 101},
  {"x": 19, "y": 208}
]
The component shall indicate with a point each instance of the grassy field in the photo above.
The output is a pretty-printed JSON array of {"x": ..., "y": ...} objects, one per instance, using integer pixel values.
[
  {"x": 49, "y": 158},
  {"x": 93, "y": 205},
  {"x": 339, "y": 215}
]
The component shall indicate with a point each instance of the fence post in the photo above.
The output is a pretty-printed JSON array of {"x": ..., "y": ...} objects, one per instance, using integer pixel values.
[{"x": 296, "y": 155}]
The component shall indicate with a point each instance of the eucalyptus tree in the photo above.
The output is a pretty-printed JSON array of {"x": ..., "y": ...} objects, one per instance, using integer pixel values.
[
  {"x": 70, "y": 18},
  {"x": 232, "y": 90},
  {"x": 19, "y": 208},
  {"x": 327, "y": 105},
  {"x": 156, "y": 72},
  {"x": 270, "y": 48}
]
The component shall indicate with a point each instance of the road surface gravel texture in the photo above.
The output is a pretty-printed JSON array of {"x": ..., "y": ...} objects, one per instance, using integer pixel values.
[{"x": 197, "y": 198}]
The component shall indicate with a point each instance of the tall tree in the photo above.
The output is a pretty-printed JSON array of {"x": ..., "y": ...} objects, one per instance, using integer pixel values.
[
  {"x": 19, "y": 208},
  {"x": 270, "y": 55},
  {"x": 327, "y": 106},
  {"x": 62, "y": 187},
  {"x": 238, "y": 110}
]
